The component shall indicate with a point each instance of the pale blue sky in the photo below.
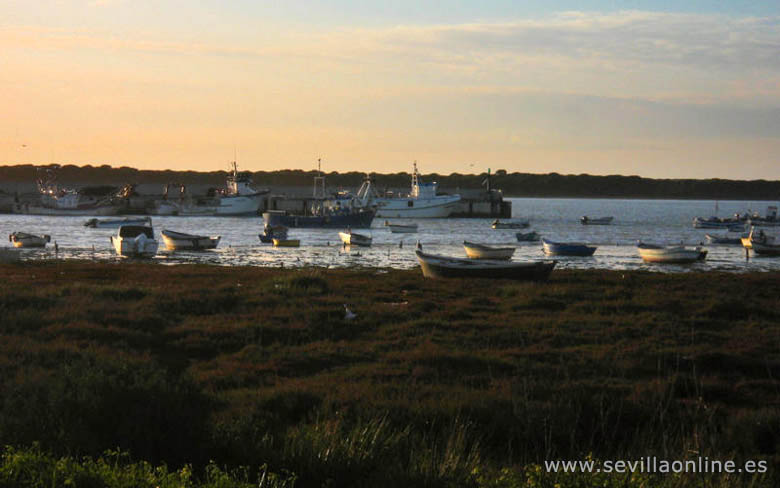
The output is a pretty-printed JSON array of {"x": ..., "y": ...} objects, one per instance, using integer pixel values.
[{"x": 664, "y": 89}]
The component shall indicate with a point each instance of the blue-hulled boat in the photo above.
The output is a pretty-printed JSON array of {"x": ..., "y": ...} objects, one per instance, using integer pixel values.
[{"x": 567, "y": 248}]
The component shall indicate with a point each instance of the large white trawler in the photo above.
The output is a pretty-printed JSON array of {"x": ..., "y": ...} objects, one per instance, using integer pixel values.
[
  {"x": 238, "y": 198},
  {"x": 422, "y": 202}
]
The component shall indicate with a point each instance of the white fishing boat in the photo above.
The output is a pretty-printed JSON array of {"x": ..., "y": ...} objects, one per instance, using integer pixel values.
[
  {"x": 515, "y": 224},
  {"x": 179, "y": 241},
  {"x": 401, "y": 228},
  {"x": 585, "y": 220},
  {"x": 23, "y": 239},
  {"x": 135, "y": 241},
  {"x": 238, "y": 198},
  {"x": 59, "y": 200},
  {"x": 116, "y": 223},
  {"x": 350, "y": 238},
  {"x": 652, "y": 253},
  {"x": 481, "y": 251},
  {"x": 422, "y": 202}
]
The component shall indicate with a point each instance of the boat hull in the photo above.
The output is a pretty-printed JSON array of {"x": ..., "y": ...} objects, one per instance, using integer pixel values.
[
  {"x": 286, "y": 242},
  {"x": 176, "y": 241},
  {"x": 135, "y": 248},
  {"x": 22, "y": 239},
  {"x": 598, "y": 221},
  {"x": 527, "y": 237},
  {"x": 765, "y": 249},
  {"x": 567, "y": 249},
  {"x": 438, "y": 208},
  {"x": 444, "y": 267},
  {"x": 26, "y": 209},
  {"x": 671, "y": 255},
  {"x": 352, "y": 239},
  {"x": 479, "y": 251},
  {"x": 358, "y": 220},
  {"x": 115, "y": 223}
]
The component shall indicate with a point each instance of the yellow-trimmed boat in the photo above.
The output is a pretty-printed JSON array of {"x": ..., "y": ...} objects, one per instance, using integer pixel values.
[{"x": 287, "y": 242}]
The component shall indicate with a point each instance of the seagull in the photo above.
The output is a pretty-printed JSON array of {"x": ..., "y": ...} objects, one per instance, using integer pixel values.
[{"x": 348, "y": 314}]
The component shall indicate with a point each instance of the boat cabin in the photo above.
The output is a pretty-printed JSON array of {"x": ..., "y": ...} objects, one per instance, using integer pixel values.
[{"x": 133, "y": 231}]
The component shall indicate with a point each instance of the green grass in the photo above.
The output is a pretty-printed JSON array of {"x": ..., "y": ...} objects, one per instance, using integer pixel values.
[{"x": 435, "y": 383}]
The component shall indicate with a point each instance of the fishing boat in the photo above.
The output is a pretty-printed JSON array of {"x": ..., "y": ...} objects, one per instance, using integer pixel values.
[
  {"x": 350, "y": 238},
  {"x": 286, "y": 242},
  {"x": 527, "y": 236},
  {"x": 239, "y": 197},
  {"x": 23, "y": 239},
  {"x": 135, "y": 241},
  {"x": 179, "y": 241},
  {"x": 518, "y": 224},
  {"x": 342, "y": 210},
  {"x": 116, "y": 223},
  {"x": 481, "y": 251},
  {"x": 56, "y": 199},
  {"x": 585, "y": 220},
  {"x": 423, "y": 201},
  {"x": 271, "y": 233},
  {"x": 717, "y": 222},
  {"x": 567, "y": 248},
  {"x": 401, "y": 228},
  {"x": 770, "y": 220},
  {"x": 652, "y": 253},
  {"x": 434, "y": 266}
]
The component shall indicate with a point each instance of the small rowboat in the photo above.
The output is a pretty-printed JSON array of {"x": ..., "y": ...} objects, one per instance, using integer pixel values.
[
  {"x": 480, "y": 251},
  {"x": 179, "y": 241},
  {"x": 350, "y": 238},
  {"x": 600, "y": 221},
  {"x": 722, "y": 240},
  {"x": 116, "y": 223},
  {"x": 287, "y": 242},
  {"x": 567, "y": 248},
  {"x": 273, "y": 232},
  {"x": 23, "y": 239},
  {"x": 434, "y": 266},
  {"x": 652, "y": 253},
  {"x": 521, "y": 224},
  {"x": 527, "y": 236},
  {"x": 401, "y": 228}
]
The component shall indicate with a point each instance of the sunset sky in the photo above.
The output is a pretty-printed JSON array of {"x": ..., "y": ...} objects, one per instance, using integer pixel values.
[{"x": 654, "y": 88}]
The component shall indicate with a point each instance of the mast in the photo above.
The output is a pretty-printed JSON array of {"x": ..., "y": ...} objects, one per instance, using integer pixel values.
[{"x": 319, "y": 182}]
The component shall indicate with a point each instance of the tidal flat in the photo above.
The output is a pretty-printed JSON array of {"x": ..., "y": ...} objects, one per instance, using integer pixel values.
[{"x": 134, "y": 374}]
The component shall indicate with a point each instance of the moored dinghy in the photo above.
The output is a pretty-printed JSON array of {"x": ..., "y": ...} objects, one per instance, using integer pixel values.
[
  {"x": 652, "y": 253},
  {"x": 286, "y": 242},
  {"x": 401, "y": 228},
  {"x": 527, "y": 236},
  {"x": 116, "y": 223},
  {"x": 518, "y": 224},
  {"x": 761, "y": 243},
  {"x": 567, "y": 248},
  {"x": 179, "y": 241},
  {"x": 23, "y": 239},
  {"x": 135, "y": 241},
  {"x": 481, "y": 251},
  {"x": 434, "y": 266},
  {"x": 599, "y": 221},
  {"x": 350, "y": 238}
]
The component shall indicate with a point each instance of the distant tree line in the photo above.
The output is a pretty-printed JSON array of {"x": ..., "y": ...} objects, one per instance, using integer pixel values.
[{"x": 512, "y": 184}]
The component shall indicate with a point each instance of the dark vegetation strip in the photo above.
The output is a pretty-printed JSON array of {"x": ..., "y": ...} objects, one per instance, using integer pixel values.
[
  {"x": 434, "y": 383},
  {"x": 513, "y": 184}
]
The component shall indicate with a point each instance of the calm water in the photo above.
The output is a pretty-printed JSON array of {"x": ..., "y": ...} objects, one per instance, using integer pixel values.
[{"x": 658, "y": 221}]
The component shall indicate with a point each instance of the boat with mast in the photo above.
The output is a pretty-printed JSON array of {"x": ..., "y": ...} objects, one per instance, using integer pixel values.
[
  {"x": 341, "y": 210},
  {"x": 423, "y": 201},
  {"x": 56, "y": 199}
]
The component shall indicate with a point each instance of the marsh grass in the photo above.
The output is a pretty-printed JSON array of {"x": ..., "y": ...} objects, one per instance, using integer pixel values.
[{"x": 434, "y": 383}]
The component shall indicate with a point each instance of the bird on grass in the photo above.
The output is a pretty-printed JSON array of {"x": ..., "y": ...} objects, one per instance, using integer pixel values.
[{"x": 348, "y": 314}]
